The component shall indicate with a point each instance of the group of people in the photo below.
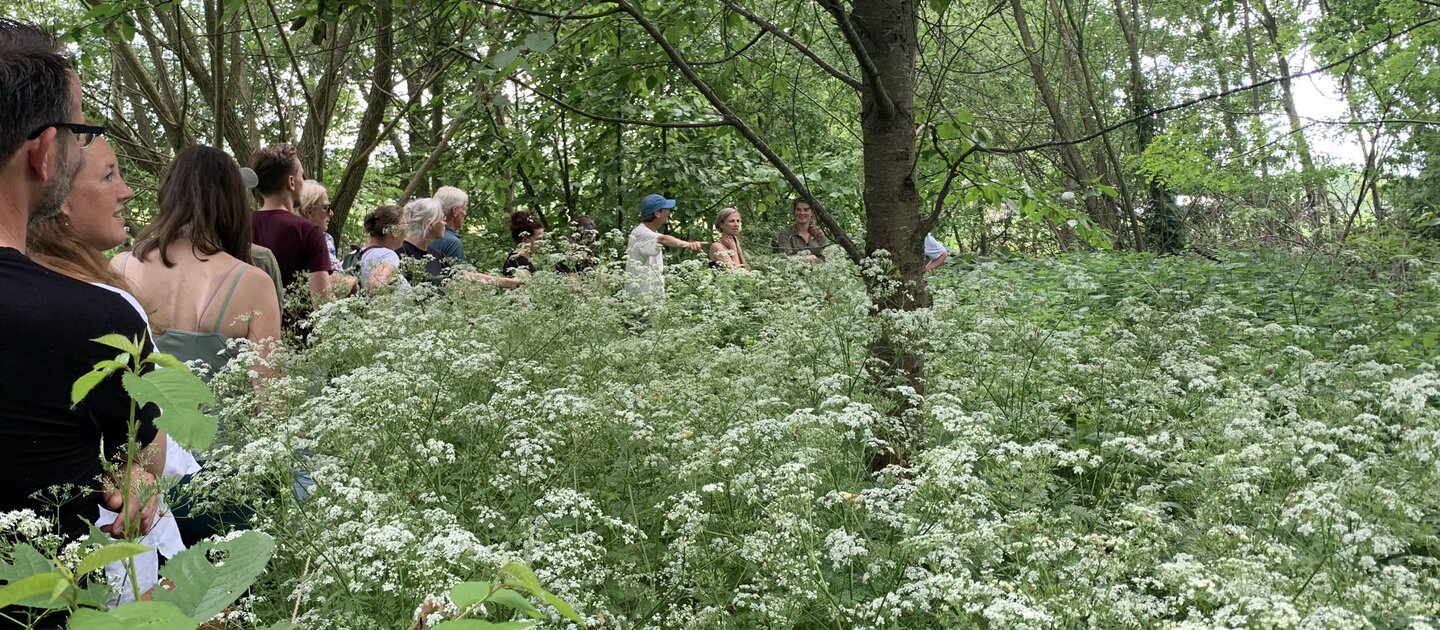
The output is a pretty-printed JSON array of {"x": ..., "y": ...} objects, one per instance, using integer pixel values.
[{"x": 206, "y": 270}]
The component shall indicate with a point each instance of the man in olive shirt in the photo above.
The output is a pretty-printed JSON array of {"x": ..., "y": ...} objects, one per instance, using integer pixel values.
[{"x": 804, "y": 238}]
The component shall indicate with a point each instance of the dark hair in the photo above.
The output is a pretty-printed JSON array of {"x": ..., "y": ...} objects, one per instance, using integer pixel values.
[
  {"x": 202, "y": 198},
  {"x": 799, "y": 200},
  {"x": 272, "y": 165},
  {"x": 586, "y": 233},
  {"x": 34, "y": 84},
  {"x": 521, "y": 226},
  {"x": 381, "y": 220}
]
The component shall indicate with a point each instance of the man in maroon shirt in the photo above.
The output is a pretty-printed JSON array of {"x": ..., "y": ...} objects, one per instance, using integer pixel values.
[{"x": 299, "y": 245}]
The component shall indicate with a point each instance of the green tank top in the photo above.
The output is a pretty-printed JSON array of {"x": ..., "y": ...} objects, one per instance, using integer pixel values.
[{"x": 211, "y": 348}]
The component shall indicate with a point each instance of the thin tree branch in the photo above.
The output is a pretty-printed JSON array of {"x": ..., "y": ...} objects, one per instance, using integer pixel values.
[
  {"x": 615, "y": 119},
  {"x": 547, "y": 14},
  {"x": 867, "y": 65},
  {"x": 796, "y": 44},
  {"x": 1196, "y": 101},
  {"x": 841, "y": 237}
]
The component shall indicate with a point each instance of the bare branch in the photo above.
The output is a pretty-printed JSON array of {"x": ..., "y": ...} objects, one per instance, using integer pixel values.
[
  {"x": 547, "y": 14},
  {"x": 1196, "y": 101},
  {"x": 796, "y": 44},
  {"x": 615, "y": 119},
  {"x": 841, "y": 237},
  {"x": 867, "y": 65}
]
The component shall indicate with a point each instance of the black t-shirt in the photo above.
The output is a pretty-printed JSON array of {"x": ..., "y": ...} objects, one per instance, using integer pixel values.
[
  {"x": 433, "y": 266},
  {"x": 516, "y": 262},
  {"x": 47, "y": 322}
]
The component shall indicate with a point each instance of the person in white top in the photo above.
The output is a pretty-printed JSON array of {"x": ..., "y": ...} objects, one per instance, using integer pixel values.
[
  {"x": 644, "y": 257},
  {"x": 935, "y": 252}
]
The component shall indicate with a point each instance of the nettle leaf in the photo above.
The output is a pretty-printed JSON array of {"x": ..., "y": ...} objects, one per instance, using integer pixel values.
[
  {"x": 109, "y": 553},
  {"x": 179, "y": 394},
  {"x": 120, "y": 342},
  {"x": 467, "y": 594},
  {"x": 149, "y": 615},
  {"x": 202, "y": 590},
  {"x": 25, "y": 562},
  {"x": 511, "y": 599},
  {"x": 90, "y": 379},
  {"x": 41, "y": 587}
]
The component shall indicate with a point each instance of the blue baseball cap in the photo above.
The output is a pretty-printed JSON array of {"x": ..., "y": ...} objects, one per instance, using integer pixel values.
[{"x": 652, "y": 204}]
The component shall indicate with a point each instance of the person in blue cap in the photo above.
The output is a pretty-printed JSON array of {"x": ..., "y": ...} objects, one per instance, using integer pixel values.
[{"x": 645, "y": 258}]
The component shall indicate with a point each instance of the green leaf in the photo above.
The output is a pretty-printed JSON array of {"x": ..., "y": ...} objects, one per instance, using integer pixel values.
[
  {"x": 25, "y": 561},
  {"x": 109, "y": 553},
  {"x": 477, "y": 624},
  {"x": 147, "y": 615},
  {"x": 202, "y": 590},
  {"x": 121, "y": 343},
  {"x": 90, "y": 379},
  {"x": 563, "y": 607},
  {"x": 510, "y": 599},
  {"x": 522, "y": 578},
  {"x": 467, "y": 594},
  {"x": 503, "y": 59},
  {"x": 540, "y": 42},
  {"x": 179, "y": 393},
  {"x": 42, "y": 584},
  {"x": 166, "y": 361}
]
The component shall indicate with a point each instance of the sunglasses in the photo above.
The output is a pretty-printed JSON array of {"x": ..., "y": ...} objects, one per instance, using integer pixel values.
[{"x": 84, "y": 134}]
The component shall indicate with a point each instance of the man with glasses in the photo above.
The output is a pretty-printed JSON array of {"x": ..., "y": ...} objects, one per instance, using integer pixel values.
[{"x": 48, "y": 320}]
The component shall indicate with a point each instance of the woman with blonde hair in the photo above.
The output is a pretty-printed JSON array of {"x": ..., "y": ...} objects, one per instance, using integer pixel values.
[
  {"x": 72, "y": 243},
  {"x": 315, "y": 208},
  {"x": 727, "y": 251}
]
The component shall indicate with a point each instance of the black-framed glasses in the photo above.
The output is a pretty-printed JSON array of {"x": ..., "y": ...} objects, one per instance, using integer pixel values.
[{"x": 84, "y": 134}]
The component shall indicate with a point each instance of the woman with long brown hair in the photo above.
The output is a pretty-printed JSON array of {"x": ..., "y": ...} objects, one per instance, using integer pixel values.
[{"x": 192, "y": 264}]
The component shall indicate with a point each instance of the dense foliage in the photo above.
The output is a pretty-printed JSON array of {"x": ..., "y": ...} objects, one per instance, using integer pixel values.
[{"x": 1109, "y": 441}]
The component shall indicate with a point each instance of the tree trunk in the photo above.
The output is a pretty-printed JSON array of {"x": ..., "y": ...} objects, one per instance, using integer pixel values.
[
  {"x": 376, "y": 102},
  {"x": 1073, "y": 164},
  {"x": 1314, "y": 187},
  {"x": 887, "y": 32}
]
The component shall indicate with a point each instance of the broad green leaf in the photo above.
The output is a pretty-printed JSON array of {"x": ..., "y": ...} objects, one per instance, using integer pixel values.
[
  {"x": 146, "y": 615},
  {"x": 202, "y": 590},
  {"x": 510, "y": 599},
  {"x": 90, "y": 379},
  {"x": 540, "y": 42},
  {"x": 35, "y": 585},
  {"x": 467, "y": 594},
  {"x": 503, "y": 59},
  {"x": 179, "y": 393},
  {"x": 563, "y": 607},
  {"x": 949, "y": 131},
  {"x": 109, "y": 553},
  {"x": 478, "y": 624},
  {"x": 167, "y": 361},
  {"x": 522, "y": 578},
  {"x": 121, "y": 343},
  {"x": 25, "y": 561}
]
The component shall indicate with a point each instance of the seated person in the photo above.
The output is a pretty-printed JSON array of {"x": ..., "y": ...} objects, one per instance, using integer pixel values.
[
  {"x": 726, "y": 251},
  {"x": 804, "y": 238},
  {"x": 526, "y": 232}
]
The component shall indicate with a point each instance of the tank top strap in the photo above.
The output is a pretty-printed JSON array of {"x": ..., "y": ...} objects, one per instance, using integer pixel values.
[
  {"x": 216, "y": 291},
  {"x": 124, "y": 261}
]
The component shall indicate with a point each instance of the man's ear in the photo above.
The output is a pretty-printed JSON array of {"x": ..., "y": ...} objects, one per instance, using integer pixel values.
[{"x": 37, "y": 153}]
